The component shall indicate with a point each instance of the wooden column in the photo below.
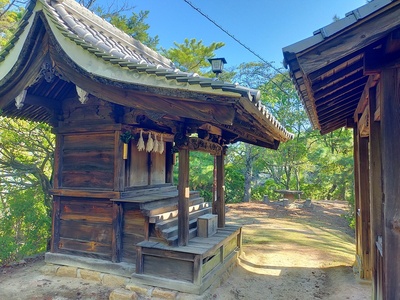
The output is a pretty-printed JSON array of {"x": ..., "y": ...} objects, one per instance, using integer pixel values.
[
  {"x": 221, "y": 190},
  {"x": 390, "y": 125},
  {"x": 362, "y": 206},
  {"x": 214, "y": 199},
  {"x": 55, "y": 228},
  {"x": 357, "y": 193},
  {"x": 364, "y": 209},
  {"x": 117, "y": 232},
  {"x": 184, "y": 194},
  {"x": 119, "y": 163},
  {"x": 376, "y": 196}
]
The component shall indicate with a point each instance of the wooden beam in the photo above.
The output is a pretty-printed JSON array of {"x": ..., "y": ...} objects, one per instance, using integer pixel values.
[
  {"x": 390, "y": 125},
  {"x": 221, "y": 190},
  {"x": 347, "y": 83},
  {"x": 183, "y": 194},
  {"x": 376, "y": 192},
  {"x": 350, "y": 91},
  {"x": 337, "y": 75},
  {"x": 197, "y": 144}
]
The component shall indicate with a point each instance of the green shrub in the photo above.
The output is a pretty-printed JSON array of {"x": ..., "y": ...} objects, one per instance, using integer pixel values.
[{"x": 25, "y": 225}]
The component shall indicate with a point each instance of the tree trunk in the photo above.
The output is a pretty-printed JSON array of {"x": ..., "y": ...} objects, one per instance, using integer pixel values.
[{"x": 248, "y": 173}]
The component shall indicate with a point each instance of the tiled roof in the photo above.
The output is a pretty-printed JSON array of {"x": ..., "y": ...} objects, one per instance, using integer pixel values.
[{"x": 107, "y": 42}]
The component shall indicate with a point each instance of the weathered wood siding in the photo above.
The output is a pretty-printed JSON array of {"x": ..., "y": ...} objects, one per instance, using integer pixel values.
[
  {"x": 134, "y": 231},
  {"x": 146, "y": 168},
  {"x": 85, "y": 227},
  {"x": 88, "y": 161}
]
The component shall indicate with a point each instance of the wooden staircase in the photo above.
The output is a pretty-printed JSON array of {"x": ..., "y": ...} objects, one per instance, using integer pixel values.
[{"x": 163, "y": 217}]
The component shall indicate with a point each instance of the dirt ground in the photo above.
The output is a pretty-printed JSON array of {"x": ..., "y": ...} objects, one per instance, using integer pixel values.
[{"x": 289, "y": 253}]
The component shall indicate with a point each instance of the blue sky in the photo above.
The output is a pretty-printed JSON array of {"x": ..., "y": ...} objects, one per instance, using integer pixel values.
[{"x": 265, "y": 26}]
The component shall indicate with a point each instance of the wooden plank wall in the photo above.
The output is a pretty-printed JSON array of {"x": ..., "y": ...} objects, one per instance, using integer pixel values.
[
  {"x": 135, "y": 230},
  {"x": 88, "y": 161},
  {"x": 85, "y": 227}
]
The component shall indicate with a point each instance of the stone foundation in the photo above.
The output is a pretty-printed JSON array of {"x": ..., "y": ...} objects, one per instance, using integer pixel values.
[{"x": 125, "y": 286}]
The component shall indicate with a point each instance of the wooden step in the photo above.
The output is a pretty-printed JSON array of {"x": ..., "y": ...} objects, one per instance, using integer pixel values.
[
  {"x": 173, "y": 231},
  {"x": 160, "y": 226},
  {"x": 173, "y": 241},
  {"x": 166, "y": 205},
  {"x": 147, "y": 190},
  {"x": 173, "y": 214}
]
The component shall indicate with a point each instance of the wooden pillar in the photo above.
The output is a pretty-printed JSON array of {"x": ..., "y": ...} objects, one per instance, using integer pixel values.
[
  {"x": 55, "y": 228},
  {"x": 119, "y": 163},
  {"x": 357, "y": 195},
  {"x": 214, "y": 199},
  {"x": 390, "y": 125},
  {"x": 184, "y": 194},
  {"x": 364, "y": 209},
  {"x": 376, "y": 196},
  {"x": 117, "y": 232},
  {"x": 221, "y": 190}
]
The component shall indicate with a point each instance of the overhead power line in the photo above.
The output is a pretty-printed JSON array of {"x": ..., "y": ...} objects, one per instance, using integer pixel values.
[{"x": 234, "y": 38}]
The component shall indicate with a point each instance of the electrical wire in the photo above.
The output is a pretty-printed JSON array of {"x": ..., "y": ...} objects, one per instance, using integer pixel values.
[{"x": 237, "y": 40}]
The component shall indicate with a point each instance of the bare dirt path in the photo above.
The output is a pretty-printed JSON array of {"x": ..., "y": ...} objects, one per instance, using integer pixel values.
[
  {"x": 294, "y": 253},
  {"x": 289, "y": 253}
]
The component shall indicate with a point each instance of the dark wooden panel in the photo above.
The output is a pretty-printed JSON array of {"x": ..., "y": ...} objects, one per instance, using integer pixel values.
[
  {"x": 87, "y": 210},
  {"x": 134, "y": 222},
  {"x": 85, "y": 246},
  {"x": 85, "y": 231},
  {"x": 88, "y": 159},
  {"x": 88, "y": 179},
  {"x": 90, "y": 141},
  {"x": 168, "y": 268},
  {"x": 134, "y": 227}
]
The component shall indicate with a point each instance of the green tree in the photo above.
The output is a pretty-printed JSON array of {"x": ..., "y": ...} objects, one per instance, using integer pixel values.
[
  {"x": 26, "y": 159},
  {"x": 10, "y": 14},
  {"x": 136, "y": 27},
  {"x": 192, "y": 55}
]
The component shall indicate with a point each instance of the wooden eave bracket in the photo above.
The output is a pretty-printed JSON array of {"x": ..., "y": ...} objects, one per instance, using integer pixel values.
[
  {"x": 20, "y": 99},
  {"x": 82, "y": 94}
]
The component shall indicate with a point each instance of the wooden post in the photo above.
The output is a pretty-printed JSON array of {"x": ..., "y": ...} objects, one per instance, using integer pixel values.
[
  {"x": 117, "y": 230},
  {"x": 184, "y": 194},
  {"x": 375, "y": 178},
  {"x": 221, "y": 190},
  {"x": 364, "y": 209},
  {"x": 119, "y": 163},
  {"x": 169, "y": 163},
  {"x": 55, "y": 228},
  {"x": 214, "y": 199},
  {"x": 356, "y": 191},
  {"x": 390, "y": 125}
]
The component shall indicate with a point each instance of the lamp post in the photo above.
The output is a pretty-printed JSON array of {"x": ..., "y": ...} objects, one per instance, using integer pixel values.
[{"x": 217, "y": 65}]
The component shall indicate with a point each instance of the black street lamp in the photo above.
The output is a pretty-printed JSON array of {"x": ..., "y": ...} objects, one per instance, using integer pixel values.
[{"x": 217, "y": 65}]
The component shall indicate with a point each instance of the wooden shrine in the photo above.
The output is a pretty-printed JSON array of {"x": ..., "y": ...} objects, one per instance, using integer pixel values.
[
  {"x": 121, "y": 114},
  {"x": 348, "y": 74}
]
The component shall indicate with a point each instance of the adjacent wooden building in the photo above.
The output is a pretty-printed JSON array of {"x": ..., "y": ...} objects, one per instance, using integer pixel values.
[
  {"x": 348, "y": 75},
  {"x": 121, "y": 113}
]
